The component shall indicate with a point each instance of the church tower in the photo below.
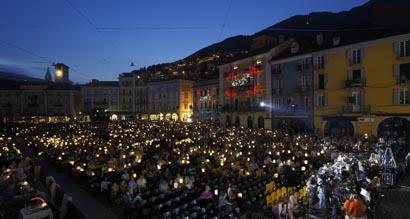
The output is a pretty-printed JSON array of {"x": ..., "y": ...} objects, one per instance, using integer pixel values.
[{"x": 47, "y": 77}]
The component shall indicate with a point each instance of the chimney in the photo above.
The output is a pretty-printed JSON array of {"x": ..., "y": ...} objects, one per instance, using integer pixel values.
[
  {"x": 294, "y": 48},
  {"x": 319, "y": 39},
  {"x": 281, "y": 38},
  {"x": 336, "y": 41}
]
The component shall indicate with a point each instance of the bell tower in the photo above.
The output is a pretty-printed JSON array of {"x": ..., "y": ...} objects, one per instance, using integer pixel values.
[{"x": 61, "y": 73}]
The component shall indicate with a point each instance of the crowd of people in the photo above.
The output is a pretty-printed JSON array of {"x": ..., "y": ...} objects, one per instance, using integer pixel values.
[
  {"x": 18, "y": 187},
  {"x": 164, "y": 168}
]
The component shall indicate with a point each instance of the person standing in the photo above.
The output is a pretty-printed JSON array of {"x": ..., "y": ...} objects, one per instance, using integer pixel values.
[
  {"x": 356, "y": 208},
  {"x": 321, "y": 193},
  {"x": 345, "y": 206}
]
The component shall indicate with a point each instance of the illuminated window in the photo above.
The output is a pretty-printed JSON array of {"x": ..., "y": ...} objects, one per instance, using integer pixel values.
[{"x": 59, "y": 73}]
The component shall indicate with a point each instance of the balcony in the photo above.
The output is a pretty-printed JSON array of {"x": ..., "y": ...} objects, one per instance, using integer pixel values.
[
  {"x": 241, "y": 109},
  {"x": 301, "y": 67},
  {"x": 303, "y": 88},
  {"x": 356, "y": 109},
  {"x": 358, "y": 82},
  {"x": 277, "y": 91},
  {"x": 276, "y": 71}
]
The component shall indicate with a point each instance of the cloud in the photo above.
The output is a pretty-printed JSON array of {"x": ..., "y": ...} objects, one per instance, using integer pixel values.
[
  {"x": 32, "y": 69},
  {"x": 11, "y": 67}
]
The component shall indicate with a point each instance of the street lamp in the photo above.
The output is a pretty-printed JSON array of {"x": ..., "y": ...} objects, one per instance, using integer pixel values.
[{"x": 262, "y": 104}]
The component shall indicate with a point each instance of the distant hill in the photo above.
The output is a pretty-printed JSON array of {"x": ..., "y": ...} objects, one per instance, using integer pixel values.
[
  {"x": 232, "y": 44},
  {"x": 373, "y": 14}
]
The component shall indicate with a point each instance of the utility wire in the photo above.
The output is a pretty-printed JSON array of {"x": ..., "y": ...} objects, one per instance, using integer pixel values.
[
  {"x": 226, "y": 18},
  {"x": 26, "y": 51},
  {"x": 115, "y": 28},
  {"x": 81, "y": 14},
  {"x": 92, "y": 24},
  {"x": 156, "y": 28}
]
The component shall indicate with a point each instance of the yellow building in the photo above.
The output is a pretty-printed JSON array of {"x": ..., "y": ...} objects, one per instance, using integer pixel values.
[{"x": 362, "y": 83}]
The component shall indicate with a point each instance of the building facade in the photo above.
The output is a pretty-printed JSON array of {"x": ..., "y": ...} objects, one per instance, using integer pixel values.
[
  {"x": 133, "y": 95},
  {"x": 141, "y": 98},
  {"x": 21, "y": 99},
  {"x": 126, "y": 85},
  {"x": 245, "y": 89},
  {"x": 363, "y": 87},
  {"x": 170, "y": 100},
  {"x": 206, "y": 106},
  {"x": 100, "y": 95},
  {"x": 292, "y": 92},
  {"x": 243, "y": 86}
]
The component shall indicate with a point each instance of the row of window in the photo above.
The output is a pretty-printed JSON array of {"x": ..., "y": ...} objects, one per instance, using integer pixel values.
[
  {"x": 169, "y": 107},
  {"x": 169, "y": 95},
  {"x": 401, "y": 96},
  {"x": 205, "y": 105},
  {"x": 278, "y": 82},
  {"x": 290, "y": 102},
  {"x": 207, "y": 92}
]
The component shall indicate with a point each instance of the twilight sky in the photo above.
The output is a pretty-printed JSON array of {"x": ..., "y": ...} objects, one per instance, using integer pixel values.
[{"x": 100, "y": 38}]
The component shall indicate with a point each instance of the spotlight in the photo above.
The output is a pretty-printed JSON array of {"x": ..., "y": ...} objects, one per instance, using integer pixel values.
[{"x": 262, "y": 104}]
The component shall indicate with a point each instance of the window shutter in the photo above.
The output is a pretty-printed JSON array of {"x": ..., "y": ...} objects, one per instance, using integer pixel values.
[
  {"x": 396, "y": 49},
  {"x": 349, "y": 74},
  {"x": 361, "y": 98},
  {"x": 362, "y": 52},
  {"x": 325, "y": 97},
  {"x": 349, "y": 56},
  {"x": 315, "y": 61},
  {"x": 326, "y": 78},
  {"x": 396, "y": 72},
  {"x": 395, "y": 96},
  {"x": 316, "y": 81}
]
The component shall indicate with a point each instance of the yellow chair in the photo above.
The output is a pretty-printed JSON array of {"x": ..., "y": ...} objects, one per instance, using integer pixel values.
[
  {"x": 273, "y": 197},
  {"x": 297, "y": 193},
  {"x": 283, "y": 191},
  {"x": 269, "y": 200}
]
